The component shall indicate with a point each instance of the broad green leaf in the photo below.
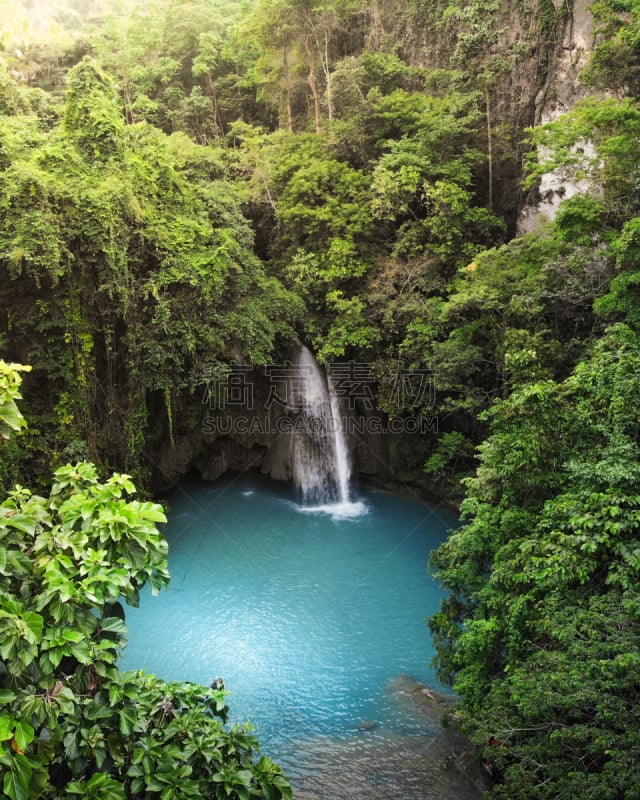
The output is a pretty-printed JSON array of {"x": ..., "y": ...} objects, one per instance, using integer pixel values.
[
  {"x": 128, "y": 719},
  {"x": 113, "y": 625},
  {"x": 24, "y": 735},
  {"x": 95, "y": 711},
  {"x": 21, "y": 523},
  {"x": 152, "y": 512},
  {"x": 7, "y": 696},
  {"x": 7, "y": 725},
  {"x": 82, "y": 651},
  {"x": 34, "y": 623},
  {"x": 66, "y": 700},
  {"x": 17, "y": 779}
]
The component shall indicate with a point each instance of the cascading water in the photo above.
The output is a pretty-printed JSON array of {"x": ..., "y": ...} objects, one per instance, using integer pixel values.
[
  {"x": 319, "y": 453},
  {"x": 343, "y": 465}
]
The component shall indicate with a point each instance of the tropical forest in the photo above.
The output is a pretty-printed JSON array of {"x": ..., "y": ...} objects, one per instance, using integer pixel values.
[{"x": 225, "y": 224}]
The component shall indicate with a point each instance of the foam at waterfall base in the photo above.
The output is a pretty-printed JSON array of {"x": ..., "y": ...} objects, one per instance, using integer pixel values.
[{"x": 344, "y": 510}]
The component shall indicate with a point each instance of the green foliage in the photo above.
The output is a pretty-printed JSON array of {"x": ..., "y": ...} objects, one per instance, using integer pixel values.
[
  {"x": 594, "y": 142},
  {"x": 350, "y": 331},
  {"x": 394, "y": 185},
  {"x": 563, "y": 723},
  {"x": 614, "y": 63},
  {"x": 129, "y": 270},
  {"x": 548, "y": 552},
  {"x": 70, "y": 722},
  {"x": 516, "y": 314},
  {"x": 91, "y": 116},
  {"x": 323, "y": 200},
  {"x": 134, "y": 266},
  {"x": 423, "y": 181},
  {"x": 453, "y": 449},
  {"x": 175, "y": 65},
  {"x": 621, "y": 301},
  {"x": 11, "y": 420}
]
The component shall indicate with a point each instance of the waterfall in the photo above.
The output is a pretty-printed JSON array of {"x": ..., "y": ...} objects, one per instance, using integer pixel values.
[
  {"x": 319, "y": 453},
  {"x": 343, "y": 465}
]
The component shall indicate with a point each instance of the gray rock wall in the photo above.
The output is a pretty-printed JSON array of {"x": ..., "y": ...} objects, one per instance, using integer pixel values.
[{"x": 562, "y": 91}]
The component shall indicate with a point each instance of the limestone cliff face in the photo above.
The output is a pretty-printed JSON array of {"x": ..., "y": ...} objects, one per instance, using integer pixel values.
[
  {"x": 562, "y": 90},
  {"x": 525, "y": 56}
]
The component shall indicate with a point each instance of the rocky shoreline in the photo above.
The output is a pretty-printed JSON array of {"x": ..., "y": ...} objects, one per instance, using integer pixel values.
[{"x": 377, "y": 761}]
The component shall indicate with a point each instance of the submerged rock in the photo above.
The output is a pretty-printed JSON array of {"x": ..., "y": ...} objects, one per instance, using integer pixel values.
[
  {"x": 451, "y": 748},
  {"x": 418, "y": 759},
  {"x": 383, "y": 765},
  {"x": 419, "y": 699}
]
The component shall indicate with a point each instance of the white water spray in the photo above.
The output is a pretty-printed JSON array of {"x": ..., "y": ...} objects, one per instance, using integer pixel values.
[
  {"x": 343, "y": 465},
  {"x": 320, "y": 456}
]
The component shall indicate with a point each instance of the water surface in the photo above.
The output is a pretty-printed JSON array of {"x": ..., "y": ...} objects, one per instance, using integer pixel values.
[{"x": 315, "y": 621}]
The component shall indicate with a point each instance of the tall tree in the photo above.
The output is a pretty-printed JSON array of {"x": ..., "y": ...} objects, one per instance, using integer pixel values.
[{"x": 135, "y": 269}]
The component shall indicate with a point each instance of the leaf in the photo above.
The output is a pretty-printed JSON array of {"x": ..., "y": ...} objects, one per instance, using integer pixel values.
[
  {"x": 95, "y": 711},
  {"x": 152, "y": 511},
  {"x": 7, "y": 726},
  {"x": 82, "y": 652},
  {"x": 17, "y": 780},
  {"x": 114, "y": 625},
  {"x": 34, "y": 623},
  {"x": 71, "y": 746},
  {"x": 116, "y": 694},
  {"x": 38, "y": 783},
  {"x": 22, "y": 523},
  {"x": 285, "y": 788},
  {"x": 66, "y": 700},
  {"x": 243, "y": 776},
  {"x": 24, "y": 735},
  {"x": 128, "y": 719},
  {"x": 72, "y": 635},
  {"x": 7, "y": 696}
]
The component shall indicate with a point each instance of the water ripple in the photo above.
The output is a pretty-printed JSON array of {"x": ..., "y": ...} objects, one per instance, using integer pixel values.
[{"x": 312, "y": 619}]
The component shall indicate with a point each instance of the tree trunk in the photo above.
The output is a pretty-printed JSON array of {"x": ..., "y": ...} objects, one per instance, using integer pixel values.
[
  {"x": 326, "y": 65},
  {"x": 489, "y": 148},
  {"x": 316, "y": 99},
  {"x": 287, "y": 88},
  {"x": 217, "y": 117}
]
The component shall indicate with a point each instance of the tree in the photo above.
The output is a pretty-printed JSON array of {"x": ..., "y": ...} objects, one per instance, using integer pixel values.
[
  {"x": 595, "y": 142},
  {"x": 70, "y": 722},
  {"x": 614, "y": 63},
  {"x": 300, "y": 44},
  {"x": 128, "y": 255},
  {"x": 547, "y": 558}
]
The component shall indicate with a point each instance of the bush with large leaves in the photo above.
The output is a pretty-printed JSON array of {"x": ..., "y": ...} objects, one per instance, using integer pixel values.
[{"x": 72, "y": 724}]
